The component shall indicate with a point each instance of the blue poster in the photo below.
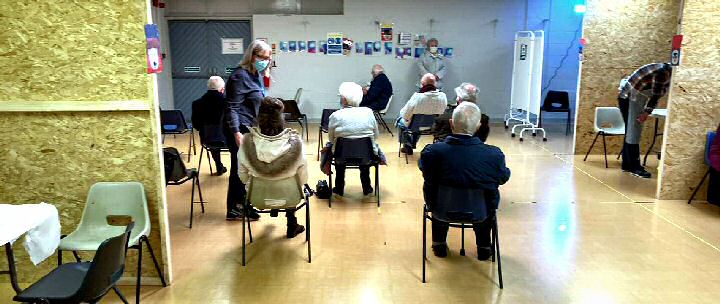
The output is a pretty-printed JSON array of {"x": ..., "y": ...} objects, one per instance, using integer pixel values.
[
  {"x": 293, "y": 46},
  {"x": 388, "y": 48},
  {"x": 419, "y": 51},
  {"x": 377, "y": 47},
  {"x": 283, "y": 46},
  {"x": 449, "y": 52},
  {"x": 368, "y": 48},
  {"x": 301, "y": 46},
  {"x": 312, "y": 47}
]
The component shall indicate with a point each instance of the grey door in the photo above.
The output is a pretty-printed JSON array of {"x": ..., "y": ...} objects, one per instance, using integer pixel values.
[{"x": 196, "y": 48}]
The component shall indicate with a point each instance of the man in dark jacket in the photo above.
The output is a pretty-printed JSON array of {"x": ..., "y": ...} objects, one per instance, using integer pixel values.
[
  {"x": 207, "y": 118},
  {"x": 465, "y": 92},
  {"x": 463, "y": 161},
  {"x": 377, "y": 95}
]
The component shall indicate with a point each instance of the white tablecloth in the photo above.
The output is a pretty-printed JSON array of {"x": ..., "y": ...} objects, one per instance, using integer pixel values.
[{"x": 40, "y": 224}]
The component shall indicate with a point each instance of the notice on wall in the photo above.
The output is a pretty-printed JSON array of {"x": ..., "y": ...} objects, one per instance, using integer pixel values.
[
  {"x": 386, "y": 32},
  {"x": 334, "y": 44},
  {"x": 232, "y": 45},
  {"x": 404, "y": 38}
]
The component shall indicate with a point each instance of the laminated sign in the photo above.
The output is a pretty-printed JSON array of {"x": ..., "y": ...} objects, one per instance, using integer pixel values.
[
  {"x": 154, "y": 60},
  {"x": 334, "y": 44}
]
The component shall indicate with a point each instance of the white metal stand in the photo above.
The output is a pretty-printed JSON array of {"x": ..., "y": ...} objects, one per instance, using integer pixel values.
[{"x": 526, "y": 84}]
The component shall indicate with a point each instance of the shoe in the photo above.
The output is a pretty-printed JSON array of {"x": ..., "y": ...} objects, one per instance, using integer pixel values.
[
  {"x": 368, "y": 191},
  {"x": 233, "y": 215},
  {"x": 440, "y": 251},
  {"x": 253, "y": 215},
  {"x": 484, "y": 253},
  {"x": 641, "y": 172},
  {"x": 293, "y": 232},
  {"x": 407, "y": 150},
  {"x": 221, "y": 171},
  {"x": 337, "y": 191}
]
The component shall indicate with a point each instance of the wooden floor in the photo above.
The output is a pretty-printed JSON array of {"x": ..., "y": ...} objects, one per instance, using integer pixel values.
[{"x": 570, "y": 232}]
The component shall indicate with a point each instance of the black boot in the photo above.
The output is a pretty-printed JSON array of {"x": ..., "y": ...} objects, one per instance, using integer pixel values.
[{"x": 293, "y": 229}]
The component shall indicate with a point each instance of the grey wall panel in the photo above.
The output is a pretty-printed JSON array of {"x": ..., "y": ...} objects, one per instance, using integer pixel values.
[
  {"x": 185, "y": 91},
  {"x": 217, "y": 30},
  {"x": 188, "y": 41}
]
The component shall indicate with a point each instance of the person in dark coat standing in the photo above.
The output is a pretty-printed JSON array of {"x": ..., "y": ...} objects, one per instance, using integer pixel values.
[
  {"x": 377, "y": 95},
  {"x": 207, "y": 118},
  {"x": 244, "y": 93},
  {"x": 463, "y": 161}
]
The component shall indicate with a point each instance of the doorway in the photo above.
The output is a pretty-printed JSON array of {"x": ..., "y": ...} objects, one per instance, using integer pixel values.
[{"x": 201, "y": 49}]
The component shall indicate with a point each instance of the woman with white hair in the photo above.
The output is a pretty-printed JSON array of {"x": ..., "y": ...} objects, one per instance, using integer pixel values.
[
  {"x": 432, "y": 62},
  {"x": 353, "y": 121},
  {"x": 245, "y": 91}
]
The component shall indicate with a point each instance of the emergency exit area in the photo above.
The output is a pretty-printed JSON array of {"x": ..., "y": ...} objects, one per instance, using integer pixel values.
[{"x": 200, "y": 49}]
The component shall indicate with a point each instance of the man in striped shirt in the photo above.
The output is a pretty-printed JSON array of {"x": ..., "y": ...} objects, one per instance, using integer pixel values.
[{"x": 638, "y": 97}]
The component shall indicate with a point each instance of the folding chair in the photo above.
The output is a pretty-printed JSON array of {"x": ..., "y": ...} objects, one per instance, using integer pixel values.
[
  {"x": 379, "y": 116},
  {"x": 173, "y": 122},
  {"x": 324, "y": 122},
  {"x": 421, "y": 124},
  {"x": 277, "y": 196},
  {"x": 292, "y": 112},
  {"x": 353, "y": 153},
  {"x": 177, "y": 174},
  {"x": 608, "y": 122},
  {"x": 461, "y": 208},
  {"x": 708, "y": 144},
  {"x": 557, "y": 102},
  {"x": 109, "y": 199},
  {"x": 83, "y": 281}
]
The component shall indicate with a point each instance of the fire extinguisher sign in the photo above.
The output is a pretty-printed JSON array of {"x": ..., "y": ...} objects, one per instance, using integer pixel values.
[{"x": 152, "y": 36}]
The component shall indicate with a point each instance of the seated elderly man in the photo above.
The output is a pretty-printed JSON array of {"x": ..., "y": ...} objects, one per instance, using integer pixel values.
[
  {"x": 466, "y": 92},
  {"x": 377, "y": 95},
  {"x": 463, "y": 161},
  {"x": 352, "y": 121},
  {"x": 428, "y": 101},
  {"x": 207, "y": 118}
]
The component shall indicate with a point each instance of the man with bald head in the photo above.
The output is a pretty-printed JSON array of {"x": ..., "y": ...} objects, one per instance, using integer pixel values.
[
  {"x": 466, "y": 92},
  {"x": 462, "y": 161},
  {"x": 429, "y": 101},
  {"x": 377, "y": 95},
  {"x": 207, "y": 118}
]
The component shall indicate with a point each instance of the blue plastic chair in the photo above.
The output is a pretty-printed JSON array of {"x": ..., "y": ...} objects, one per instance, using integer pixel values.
[{"x": 708, "y": 143}]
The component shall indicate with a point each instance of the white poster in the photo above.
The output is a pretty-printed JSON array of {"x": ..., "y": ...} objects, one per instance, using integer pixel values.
[{"x": 232, "y": 45}]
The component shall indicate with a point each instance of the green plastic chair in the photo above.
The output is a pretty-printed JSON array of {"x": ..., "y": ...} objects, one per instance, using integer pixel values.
[
  {"x": 112, "y": 199},
  {"x": 280, "y": 195}
]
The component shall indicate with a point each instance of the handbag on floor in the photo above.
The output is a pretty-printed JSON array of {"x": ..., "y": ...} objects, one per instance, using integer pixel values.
[{"x": 322, "y": 190}]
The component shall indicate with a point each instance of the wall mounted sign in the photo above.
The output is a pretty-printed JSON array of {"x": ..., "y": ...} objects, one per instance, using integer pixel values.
[
  {"x": 232, "y": 46},
  {"x": 152, "y": 37}
]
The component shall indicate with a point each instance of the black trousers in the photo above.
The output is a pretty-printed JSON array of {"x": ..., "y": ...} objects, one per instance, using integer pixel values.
[
  {"x": 630, "y": 152},
  {"x": 236, "y": 189},
  {"x": 340, "y": 178},
  {"x": 713, "y": 192},
  {"x": 482, "y": 232},
  {"x": 216, "y": 157}
]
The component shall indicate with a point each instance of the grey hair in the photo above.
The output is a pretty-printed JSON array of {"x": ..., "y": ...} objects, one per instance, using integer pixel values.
[
  {"x": 466, "y": 118},
  {"x": 431, "y": 40},
  {"x": 467, "y": 92},
  {"x": 253, "y": 49},
  {"x": 377, "y": 69},
  {"x": 215, "y": 83}
]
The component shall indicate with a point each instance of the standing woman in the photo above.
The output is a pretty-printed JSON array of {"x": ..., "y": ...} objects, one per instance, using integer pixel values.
[
  {"x": 244, "y": 93},
  {"x": 432, "y": 62}
]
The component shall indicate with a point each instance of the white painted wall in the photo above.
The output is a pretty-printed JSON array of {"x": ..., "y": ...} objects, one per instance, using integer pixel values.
[{"x": 481, "y": 32}]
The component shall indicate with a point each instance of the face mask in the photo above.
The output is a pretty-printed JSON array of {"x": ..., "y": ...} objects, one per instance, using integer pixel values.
[
  {"x": 433, "y": 49},
  {"x": 261, "y": 65}
]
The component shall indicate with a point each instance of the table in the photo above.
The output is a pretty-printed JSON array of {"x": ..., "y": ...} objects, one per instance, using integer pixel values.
[
  {"x": 657, "y": 114},
  {"x": 41, "y": 226}
]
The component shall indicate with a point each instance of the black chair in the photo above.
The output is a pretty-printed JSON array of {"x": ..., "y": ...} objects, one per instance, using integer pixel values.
[
  {"x": 212, "y": 137},
  {"x": 461, "y": 208},
  {"x": 420, "y": 124},
  {"x": 324, "y": 122},
  {"x": 708, "y": 145},
  {"x": 379, "y": 116},
  {"x": 557, "y": 102},
  {"x": 173, "y": 122},
  {"x": 275, "y": 196},
  {"x": 353, "y": 153},
  {"x": 177, "y": 174},
  {"x": 83, "y": 281},
  {"x": 292, "y": 113}
]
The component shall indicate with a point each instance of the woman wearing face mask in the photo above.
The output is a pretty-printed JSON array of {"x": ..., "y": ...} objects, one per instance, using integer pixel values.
[
  {"x": 432, "y": 62},
  {"x": 244, "y": 92}
]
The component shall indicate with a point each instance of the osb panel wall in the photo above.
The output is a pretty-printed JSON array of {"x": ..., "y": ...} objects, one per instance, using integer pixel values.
[
  {"x": 68, "y": 50},
  {"x": 622, "y": 36},
  {"x": 695, "y": 101}
]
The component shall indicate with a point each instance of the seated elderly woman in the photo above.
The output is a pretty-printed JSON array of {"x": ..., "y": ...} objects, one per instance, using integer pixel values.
[
  {"x": 273, "y": 152},
  {"x": 428, "y": 101},
  {"x": 353, "y": 121}
]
